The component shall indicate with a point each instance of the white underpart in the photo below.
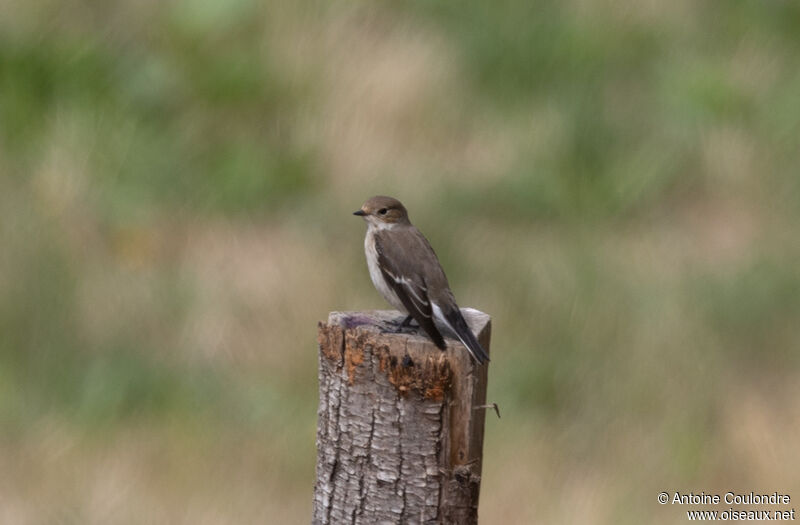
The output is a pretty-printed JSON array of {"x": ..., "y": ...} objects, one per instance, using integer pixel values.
[
  {"x": 375, "y": 272},
  {"x": 380, "y": 225}
]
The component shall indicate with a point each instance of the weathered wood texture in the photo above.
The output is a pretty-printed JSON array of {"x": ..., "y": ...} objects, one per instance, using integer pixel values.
[{"x": 399, "y": 437}]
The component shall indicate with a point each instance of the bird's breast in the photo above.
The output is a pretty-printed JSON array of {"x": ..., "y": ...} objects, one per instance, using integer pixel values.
[{"x": 377, "y": 276}]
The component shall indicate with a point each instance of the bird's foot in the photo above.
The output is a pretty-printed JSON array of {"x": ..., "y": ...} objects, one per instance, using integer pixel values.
[{"x": 405, "y": 324}]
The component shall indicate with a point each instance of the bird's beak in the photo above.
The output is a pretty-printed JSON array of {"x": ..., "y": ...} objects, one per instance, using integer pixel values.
[{"x": 360, "y": 213}]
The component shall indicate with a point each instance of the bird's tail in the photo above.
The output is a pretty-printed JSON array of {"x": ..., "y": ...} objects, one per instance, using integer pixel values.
[{"x": 457, "y": 323}]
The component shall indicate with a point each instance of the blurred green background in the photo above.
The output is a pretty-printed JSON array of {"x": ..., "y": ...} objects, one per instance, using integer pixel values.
[{"x": 614, "y": 181}]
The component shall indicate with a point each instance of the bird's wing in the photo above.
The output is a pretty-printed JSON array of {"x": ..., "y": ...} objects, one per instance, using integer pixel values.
[{"x": 400, "y": 268}]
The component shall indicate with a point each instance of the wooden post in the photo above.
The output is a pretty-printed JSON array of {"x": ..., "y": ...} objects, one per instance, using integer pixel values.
[{"x": 400, "y": 423}]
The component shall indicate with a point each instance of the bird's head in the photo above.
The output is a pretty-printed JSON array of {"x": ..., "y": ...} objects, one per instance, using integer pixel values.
[{"x": 383, "y": 212}]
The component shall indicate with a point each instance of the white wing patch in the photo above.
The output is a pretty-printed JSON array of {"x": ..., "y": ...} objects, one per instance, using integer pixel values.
[{"x": 411, "y": 290}]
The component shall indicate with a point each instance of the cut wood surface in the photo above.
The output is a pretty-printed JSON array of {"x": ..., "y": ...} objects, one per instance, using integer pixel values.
[{"x": 400, "y": 422}]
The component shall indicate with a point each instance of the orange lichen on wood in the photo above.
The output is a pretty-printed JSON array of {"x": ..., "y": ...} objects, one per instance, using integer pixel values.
[
  {"x": 431, "y": 379},
  {"x": 353, "y": 354},
  {"x": 331, "y": 341}
]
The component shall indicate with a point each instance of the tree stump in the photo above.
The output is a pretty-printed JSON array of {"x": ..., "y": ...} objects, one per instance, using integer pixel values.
[{"x": 400, "y": 422}]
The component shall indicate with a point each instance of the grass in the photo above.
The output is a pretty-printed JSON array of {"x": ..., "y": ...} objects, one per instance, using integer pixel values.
[{"x": 614, "y": 182}]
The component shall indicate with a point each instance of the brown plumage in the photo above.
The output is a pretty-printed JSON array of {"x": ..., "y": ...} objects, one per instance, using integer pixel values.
[{"x": 405, "y": 270}]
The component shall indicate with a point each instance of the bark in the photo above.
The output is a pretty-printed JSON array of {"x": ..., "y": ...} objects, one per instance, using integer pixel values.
[{"x": 399, "y": 439}]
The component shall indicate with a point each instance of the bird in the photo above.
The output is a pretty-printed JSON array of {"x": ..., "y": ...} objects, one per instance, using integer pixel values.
[{"x": 405, "y": 270}]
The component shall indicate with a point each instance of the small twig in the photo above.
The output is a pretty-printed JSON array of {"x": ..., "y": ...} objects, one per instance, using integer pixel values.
[{"x": 490, "y": 405}]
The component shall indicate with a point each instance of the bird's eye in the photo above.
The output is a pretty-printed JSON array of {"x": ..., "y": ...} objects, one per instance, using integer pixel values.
[{"x": 382, "y": 211}]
